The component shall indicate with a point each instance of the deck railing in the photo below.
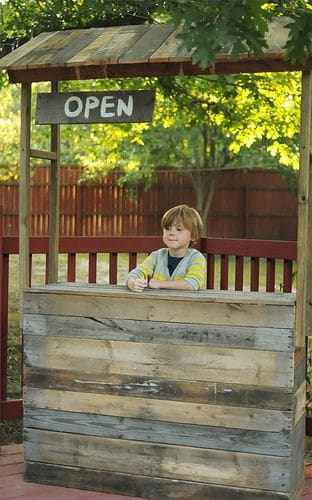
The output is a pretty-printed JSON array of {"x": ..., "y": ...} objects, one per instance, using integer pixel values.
[{"x": 232, "y": 264}]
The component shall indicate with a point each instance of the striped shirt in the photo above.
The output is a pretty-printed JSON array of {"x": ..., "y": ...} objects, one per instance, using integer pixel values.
[{"x": 192, "y": 268}]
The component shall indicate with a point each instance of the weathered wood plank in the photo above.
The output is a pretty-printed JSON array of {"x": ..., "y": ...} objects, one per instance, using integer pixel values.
[
  {"x": 155, "y": 488},
  {"x": 102, "y": 69},
  {"x": 43, "y": 155},
  {"x": 22, "y": 53},
  {"x": 272, "y": 339},
  {"x": 170, "y": 48},
  {"x": 93, "y": 51},
  {"x": 304, "y": 245},
  {"x": 277, "y": 398},
  {"x": 43, "y": 54},
  {"x": 299, "y": 375},
  {"x": 24, "y": 196},
  {"x": 299, "y": 403},
  {"x": 54, "y": 201},
  {"x": 144, "y": 47},
  {"x": 132, "y": 306},
  {"x": 78, "y": 43},
  {"x": 272, "y": 369},
  {"x": 167, "y": 411},
  {"x": 168, "y": 461},
  {"x": 298, "y": 455},
  {"x": 214, "y": 296},
  {"x": 153, "y": 431},
  {"x": 112, "y": 48}
]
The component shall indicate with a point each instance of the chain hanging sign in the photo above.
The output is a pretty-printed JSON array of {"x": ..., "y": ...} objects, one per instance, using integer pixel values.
[{"x": 95, "y": 107}]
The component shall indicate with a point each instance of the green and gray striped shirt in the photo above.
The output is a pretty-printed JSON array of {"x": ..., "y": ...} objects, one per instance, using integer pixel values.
[{"x": 192, "y": 268}]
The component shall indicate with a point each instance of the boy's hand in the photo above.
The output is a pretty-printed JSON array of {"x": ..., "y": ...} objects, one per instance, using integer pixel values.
[
  {"x": 137, "y": 284},
  {"x": 154, "y": 283}
]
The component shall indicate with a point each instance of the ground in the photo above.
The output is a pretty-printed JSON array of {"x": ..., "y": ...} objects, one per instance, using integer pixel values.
[{"x": 11, "y": 432}]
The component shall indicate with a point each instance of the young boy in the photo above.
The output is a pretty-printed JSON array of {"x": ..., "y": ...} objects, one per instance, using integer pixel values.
[{"x": 179, "y": 266}]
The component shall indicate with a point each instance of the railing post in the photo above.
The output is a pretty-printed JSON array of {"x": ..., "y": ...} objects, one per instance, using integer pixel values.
[
  {"x": 304, "y": 282},
  {"x": 3, "y": 322},
  {"x": 24, "y": 195},
  {"x": 54, "y": 212},
  {"x": 2, "y": 375}
]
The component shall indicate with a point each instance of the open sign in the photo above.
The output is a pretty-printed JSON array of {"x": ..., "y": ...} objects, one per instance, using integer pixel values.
[{"x": 95, "y": 107}]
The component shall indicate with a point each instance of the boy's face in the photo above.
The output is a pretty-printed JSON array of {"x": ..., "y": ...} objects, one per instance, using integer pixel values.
[{"x": 177, "y": 238}]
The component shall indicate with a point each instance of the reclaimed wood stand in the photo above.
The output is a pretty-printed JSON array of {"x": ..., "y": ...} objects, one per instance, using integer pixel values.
[{"x": 164, "y": 394}]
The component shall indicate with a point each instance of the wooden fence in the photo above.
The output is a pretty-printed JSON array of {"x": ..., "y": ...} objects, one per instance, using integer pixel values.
[{"x": 246, "y": 204}]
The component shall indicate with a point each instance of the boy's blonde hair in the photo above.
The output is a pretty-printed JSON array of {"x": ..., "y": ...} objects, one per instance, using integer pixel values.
[{"x": 185, "y": 215}]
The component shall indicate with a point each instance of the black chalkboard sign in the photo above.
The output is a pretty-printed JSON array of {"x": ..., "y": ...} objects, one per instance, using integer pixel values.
[{"x": 95, "y": 107}]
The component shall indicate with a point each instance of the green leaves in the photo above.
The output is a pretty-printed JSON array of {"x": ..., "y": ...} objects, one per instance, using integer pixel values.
[
  {"x": 23, "y": 19},
  {"x": 240, "y": 26},
  {"x": 299, "y": 44},
  {"x": 235, "y": 26}
]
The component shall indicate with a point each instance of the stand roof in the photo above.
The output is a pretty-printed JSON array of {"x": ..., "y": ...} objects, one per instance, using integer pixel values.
[{"x": 129, "y": 51}]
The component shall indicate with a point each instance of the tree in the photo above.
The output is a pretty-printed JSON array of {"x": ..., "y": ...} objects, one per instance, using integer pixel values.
[
  {"x": 201, "y": 125},
  {"x": 22, "y": 19},
  {"x": 214, "y": 123},
  {"x": 9, "y": 132}
]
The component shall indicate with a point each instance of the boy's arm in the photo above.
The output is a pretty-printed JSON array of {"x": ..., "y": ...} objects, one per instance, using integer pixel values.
[
  {"x": 137, "y": 279},
  {"x": 197, "y": 273},
  {"x": 180, "y": 284},
  {"x": 193, "y": 280},
  {"x": 137, "y": 284}
]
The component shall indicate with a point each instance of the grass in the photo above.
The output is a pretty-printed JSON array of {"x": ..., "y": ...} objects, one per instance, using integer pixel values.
[
  {"x": 11, "y": 431},
  {"x": 309, "y": 449}
]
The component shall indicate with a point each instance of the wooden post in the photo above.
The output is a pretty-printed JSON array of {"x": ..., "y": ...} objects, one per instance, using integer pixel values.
[
  {"x": 24, "y": 194},
  {"x": 54, "y": 215},
  {"x": 304, "y": 278},
  {"x": 3, "y": 350}
]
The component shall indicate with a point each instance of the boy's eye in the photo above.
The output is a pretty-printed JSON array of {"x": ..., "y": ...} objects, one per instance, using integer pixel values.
[{"x": 177, "y": 228}]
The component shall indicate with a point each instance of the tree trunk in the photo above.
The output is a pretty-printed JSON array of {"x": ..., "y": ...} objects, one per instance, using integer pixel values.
[{"x": 204, "y": 184}]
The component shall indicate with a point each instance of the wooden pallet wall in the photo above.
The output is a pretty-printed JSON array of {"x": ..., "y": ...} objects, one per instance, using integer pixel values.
[{"x": 164, "y": 394}]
